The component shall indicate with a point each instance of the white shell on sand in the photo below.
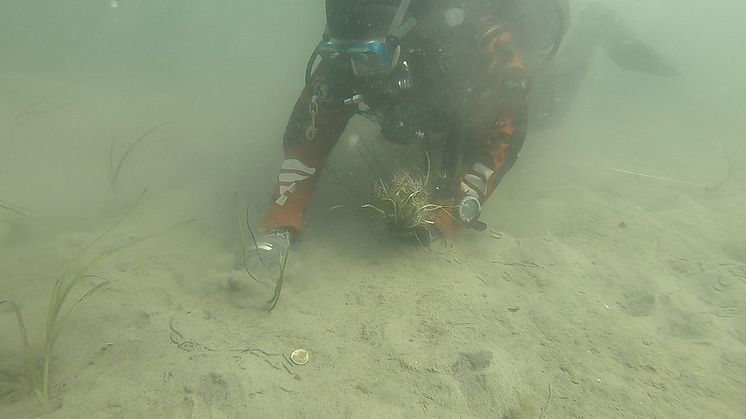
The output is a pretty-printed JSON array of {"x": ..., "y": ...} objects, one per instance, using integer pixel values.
[{"x": 299, "y": 357}]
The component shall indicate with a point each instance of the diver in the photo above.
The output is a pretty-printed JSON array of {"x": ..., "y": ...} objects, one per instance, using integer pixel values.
[
  {"x": 454, "y": 70},
  {"x": 416, "y": 68}
]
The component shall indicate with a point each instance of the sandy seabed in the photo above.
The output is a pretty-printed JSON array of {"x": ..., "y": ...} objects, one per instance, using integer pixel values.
[{"x": 593, "y": 293}]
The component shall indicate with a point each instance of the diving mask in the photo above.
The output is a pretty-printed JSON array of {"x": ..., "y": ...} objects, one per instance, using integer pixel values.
[{"x": 369, "y": 58}]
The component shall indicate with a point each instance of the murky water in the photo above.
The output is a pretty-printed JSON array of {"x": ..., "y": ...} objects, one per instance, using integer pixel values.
[{"x": 610, "y": 281}]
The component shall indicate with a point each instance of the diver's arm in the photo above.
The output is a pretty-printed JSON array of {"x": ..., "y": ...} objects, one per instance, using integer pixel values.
[{"x": 499, "y": 117}]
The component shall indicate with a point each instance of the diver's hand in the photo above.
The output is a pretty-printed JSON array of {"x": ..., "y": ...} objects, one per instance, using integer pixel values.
[{"x": 270, "y": 250}]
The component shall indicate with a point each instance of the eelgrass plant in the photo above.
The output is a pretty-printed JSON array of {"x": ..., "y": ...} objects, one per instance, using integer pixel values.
[
  {"x": 115, "y": 168},
  {"x": 244, "y": 228},
  {"x": 242, "y": 242},
  {"x": 37, "y": 108},
  {"x": 405, "y": 202},
  {"x": 13, "y": 209},
  {"x": 278, "y": 285},
  {"x": 59, "y": 310}
]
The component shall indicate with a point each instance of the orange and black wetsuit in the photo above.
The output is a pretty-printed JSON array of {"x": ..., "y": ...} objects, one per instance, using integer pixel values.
[{"x": 470, "y": 77}]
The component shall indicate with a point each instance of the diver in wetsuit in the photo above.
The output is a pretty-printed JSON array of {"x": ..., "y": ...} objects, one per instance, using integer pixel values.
[
  {"x": 429, "y": 69},
  {"x": 416, "y": 69}
]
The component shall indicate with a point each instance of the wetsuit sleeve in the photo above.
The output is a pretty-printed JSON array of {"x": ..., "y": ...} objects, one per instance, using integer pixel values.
[
  {"x": 498, "y": 119},
  {"x": 305, "y": 156}
]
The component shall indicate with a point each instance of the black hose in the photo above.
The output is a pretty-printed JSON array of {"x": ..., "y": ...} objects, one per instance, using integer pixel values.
[
  {"x": 559, "y": 36},
  {"x": 309, "y": 66},
  {"x": 561, "y": 29},
  {"x": 453, "y": 153}
]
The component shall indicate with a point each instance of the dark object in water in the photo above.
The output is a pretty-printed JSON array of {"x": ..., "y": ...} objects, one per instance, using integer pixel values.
[{"x": 555, "y": 87}]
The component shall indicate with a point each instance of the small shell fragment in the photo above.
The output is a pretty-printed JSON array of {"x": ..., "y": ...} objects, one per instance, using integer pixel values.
[{"x": 299, "y": 357}]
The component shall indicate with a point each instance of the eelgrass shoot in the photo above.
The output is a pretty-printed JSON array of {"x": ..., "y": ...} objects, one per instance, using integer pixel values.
[
  {"x": 13, "y": 209},
  {"x": 405, "y": 202},
  {"x": 37, "y": 108},
  {"x": 278, "y": 285},
  {"x": 60, "y": 310},
  {"x": 242, "y": 242},
  {"x": 115, "y": 168}
]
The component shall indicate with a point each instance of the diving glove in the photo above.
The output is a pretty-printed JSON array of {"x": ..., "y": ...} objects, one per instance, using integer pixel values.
[
  {"x": 469, "y": 210},
  {"x": 271, "y": 248}
]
